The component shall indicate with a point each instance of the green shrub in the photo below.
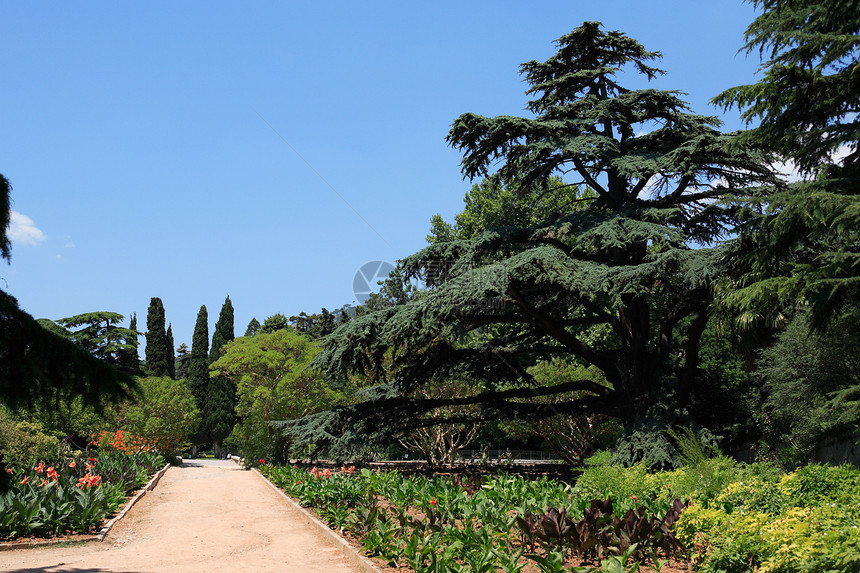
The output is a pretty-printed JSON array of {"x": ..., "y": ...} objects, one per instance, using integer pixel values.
[
  {"x": 24, "y": 442},
  {"x": 815, "y": 483}
]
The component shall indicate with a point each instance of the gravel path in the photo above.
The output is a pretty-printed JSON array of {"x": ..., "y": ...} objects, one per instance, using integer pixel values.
[{"x": 205, "y": 515}]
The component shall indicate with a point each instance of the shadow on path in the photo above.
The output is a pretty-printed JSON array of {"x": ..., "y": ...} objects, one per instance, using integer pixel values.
[{"x": 61, "y": 569}]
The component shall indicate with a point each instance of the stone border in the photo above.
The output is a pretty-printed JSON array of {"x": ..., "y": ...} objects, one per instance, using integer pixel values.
[
  {"x": 364, "y": 564},
  {"x": 147, "y": 488},
  {"x": 11, "y": 545}
]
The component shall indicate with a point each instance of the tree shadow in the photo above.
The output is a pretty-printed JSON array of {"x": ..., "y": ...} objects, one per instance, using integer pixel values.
[{"x": 61, "y": 569}]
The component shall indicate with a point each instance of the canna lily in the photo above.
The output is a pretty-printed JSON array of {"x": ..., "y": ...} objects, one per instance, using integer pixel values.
[
  {"x": 25, "y": 480},
  {"x": 72, "y": 464},
  {"x": 52, "y": 473},
  {"x": 39, "y": 468}
]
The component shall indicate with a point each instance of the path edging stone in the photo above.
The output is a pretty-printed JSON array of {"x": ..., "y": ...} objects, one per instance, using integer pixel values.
[
  {"x": 147, "y": 488},
  {"x": 359, "y": 560},
  {"x": 9, "y": 546}
]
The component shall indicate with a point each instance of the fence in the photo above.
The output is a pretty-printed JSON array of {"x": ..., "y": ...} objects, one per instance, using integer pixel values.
[{"x": 514, "y": 455}]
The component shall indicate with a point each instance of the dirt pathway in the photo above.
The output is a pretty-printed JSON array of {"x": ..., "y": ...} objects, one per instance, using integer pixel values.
[{"x": 203, "y": 516}]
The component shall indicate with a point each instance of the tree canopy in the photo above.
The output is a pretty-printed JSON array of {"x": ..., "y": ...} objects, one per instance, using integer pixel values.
[
  {"x": 802, "y": 241},
  {"x": 610, "y": 281}
]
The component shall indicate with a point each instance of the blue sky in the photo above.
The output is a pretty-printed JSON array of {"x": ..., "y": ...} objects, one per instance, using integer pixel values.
[{"x": 267, "y": 150}]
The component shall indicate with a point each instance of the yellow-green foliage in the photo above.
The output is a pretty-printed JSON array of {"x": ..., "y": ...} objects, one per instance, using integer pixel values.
[
  {"x": 24, "y": 442},
  {"x": 735, "y": 534}
]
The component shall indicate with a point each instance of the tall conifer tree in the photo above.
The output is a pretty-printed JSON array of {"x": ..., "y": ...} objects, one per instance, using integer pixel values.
[
  {"x": 171, "y": 357},
  {"x": 158, "y": 353},
  {"x": 129, "y": 361},
  {"x": 198, "y": 368},
  {"x": 221, "y": 397}
]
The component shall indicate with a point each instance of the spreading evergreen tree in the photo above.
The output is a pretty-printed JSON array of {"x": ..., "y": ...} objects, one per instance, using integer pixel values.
[
  {"x": 171, "y": 363},
  {"x": 623, "y": 282},
  {"x": 198, "y": 370},
  {"x": 275, "y": 322},
  {"x": 221, "y": 397},
  {"x": 158, "y": 353},
  {"x": 803, "y": 241},
  {"x": 253, "y": 327},
  {"x": 100, "y": 335}
]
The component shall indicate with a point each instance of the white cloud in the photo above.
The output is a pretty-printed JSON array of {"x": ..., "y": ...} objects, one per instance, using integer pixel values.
[{"x": 22, "y": 230}]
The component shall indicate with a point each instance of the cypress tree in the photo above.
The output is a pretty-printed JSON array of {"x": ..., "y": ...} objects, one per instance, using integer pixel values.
[
  {"x": 171, "y": 357},
  {"x": 221, "y": 397},
  {"x": 158, "y": 353},
  {"x": 223, "y": 331},
  {"x": 198, "y": 368},
  {"x": 129, "y": 361}
]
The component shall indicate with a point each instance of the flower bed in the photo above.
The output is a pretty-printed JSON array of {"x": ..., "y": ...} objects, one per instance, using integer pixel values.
[
  {"x": 494, "y": 523},
  {"x": 73, "y": 495},
  {"x": 733, "y": 518}
]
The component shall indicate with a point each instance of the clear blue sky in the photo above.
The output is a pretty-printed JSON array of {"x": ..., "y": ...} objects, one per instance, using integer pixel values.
[{"x": 137, "y": 137}]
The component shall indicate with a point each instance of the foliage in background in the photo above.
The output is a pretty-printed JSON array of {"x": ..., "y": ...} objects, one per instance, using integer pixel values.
[
  {"x": 810, "y": 381},
  {"x": 273, "y": 382},
  {"x": 165, "y": 415}
]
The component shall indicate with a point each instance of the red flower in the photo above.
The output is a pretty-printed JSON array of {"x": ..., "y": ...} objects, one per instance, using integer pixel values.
[
  {"x": 432, "y": 502},
  {"x": 23, "y": 481},
  {"x": 40, "y": 468},
  {"x": 262, "y": 462},
  {"x": 633, "y": 497},
  {"x": 52, "y": 473},
  {"x": 72, "y": 464}
]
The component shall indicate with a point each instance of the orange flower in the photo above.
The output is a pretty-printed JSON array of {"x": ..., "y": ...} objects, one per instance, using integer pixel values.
[
  {"x": 52, "y": 473},
  {"x": 72, "y": 464},
  {"x": 89, "y": 481},
  {"x": 327, "y": 473},
  {"x": 39, "y": 468},
  {"x": 9, "y": 471},
  {"x": 44, "y": 481},
  {"x": 23, "y": 481}
]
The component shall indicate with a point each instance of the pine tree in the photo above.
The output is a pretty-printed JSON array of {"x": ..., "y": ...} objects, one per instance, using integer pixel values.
[
  {"x": 198, "y": 370},
  {"x": 221, "y": 396},
  {"x": 158, "y": 354},
  {"x": 253, "y": 327},
  {"x": 182, "y": 360}
]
